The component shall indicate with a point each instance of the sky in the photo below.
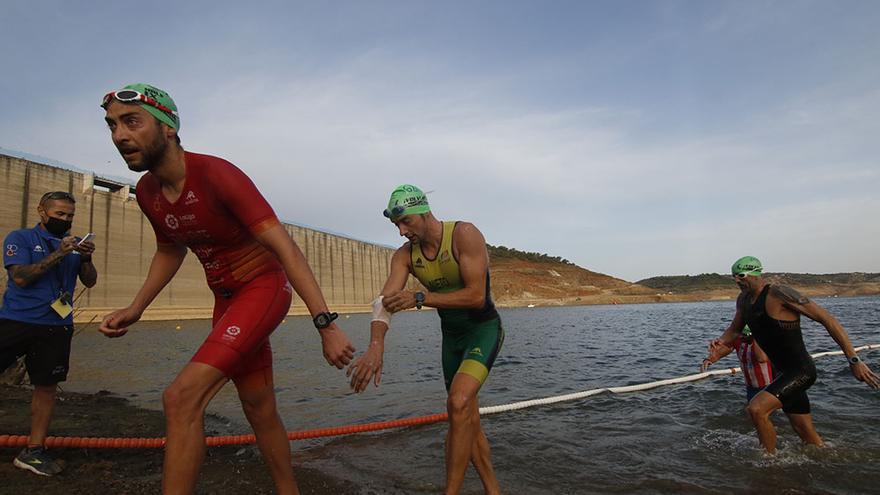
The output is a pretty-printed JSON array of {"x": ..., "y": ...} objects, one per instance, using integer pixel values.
[{"x": 636, "y": 138}]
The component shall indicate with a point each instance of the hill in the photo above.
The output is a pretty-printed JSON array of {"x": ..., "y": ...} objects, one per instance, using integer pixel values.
[
  {"x": 715, "y": 285},
  {"x": 524, "y": 278}
]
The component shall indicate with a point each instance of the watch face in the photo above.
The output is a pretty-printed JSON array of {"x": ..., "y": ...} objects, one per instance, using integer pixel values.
[{"x": 323, "y": 320}]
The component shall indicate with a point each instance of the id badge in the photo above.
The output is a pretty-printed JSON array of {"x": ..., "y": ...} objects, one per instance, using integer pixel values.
[{"x": 62, "y": 307}]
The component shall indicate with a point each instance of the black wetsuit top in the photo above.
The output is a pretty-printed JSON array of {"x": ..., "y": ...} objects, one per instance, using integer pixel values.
[{"x": 784, "y": 344}]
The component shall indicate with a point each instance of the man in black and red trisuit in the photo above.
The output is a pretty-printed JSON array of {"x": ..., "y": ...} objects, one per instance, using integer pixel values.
[{"x": 206, "y": 204}]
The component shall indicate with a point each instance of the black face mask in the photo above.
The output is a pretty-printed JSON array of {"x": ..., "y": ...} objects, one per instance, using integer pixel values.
[{"x": 57, "y": 227}]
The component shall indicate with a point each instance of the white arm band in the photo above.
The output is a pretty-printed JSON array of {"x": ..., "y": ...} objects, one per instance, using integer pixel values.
[{"x": 380, "y": 313}]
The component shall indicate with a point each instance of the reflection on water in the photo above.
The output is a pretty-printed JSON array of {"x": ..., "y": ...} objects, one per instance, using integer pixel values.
[{"x": 691, "y": 437}]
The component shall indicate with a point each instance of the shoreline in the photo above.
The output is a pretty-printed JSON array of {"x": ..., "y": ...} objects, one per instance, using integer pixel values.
[
  {"x": 234, "y": 469},
  {"x": 94, "y": 314}
]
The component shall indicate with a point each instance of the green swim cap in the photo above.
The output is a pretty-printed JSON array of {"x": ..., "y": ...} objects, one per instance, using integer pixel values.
[
  {"x": 172, "y": 119},
  {"x": 747, "y": 332},
  {"x": 747, "y": 265},
  {"x": 406, "y": 200}
]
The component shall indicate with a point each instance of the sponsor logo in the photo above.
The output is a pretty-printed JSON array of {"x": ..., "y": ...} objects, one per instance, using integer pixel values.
[
  {"x": 439, "y": 283},
  {"x": 190, "y": 198},
  {"x": 157, "y": 204},
  {"x": 476, "y": 351},
  {"x": 171, "y": 221},
  {"x": 38, "y": 249},
  {"x": 419, "y": 263},
  {"x": 188, "y": 219},
  {"x": 11, "y": 249},
  {"x": 59, "y": 370},
  {"x": 203, "y": 252},
  {"x": 444, "y": 256},
  {"x": 231, "y": 333}
]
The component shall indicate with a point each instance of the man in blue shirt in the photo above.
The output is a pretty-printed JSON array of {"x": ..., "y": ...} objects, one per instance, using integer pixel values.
[{"x": 36, "y": 319}]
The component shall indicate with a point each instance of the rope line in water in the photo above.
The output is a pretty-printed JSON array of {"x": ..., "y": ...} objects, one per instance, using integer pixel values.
[{"x": 129, "y": 443}]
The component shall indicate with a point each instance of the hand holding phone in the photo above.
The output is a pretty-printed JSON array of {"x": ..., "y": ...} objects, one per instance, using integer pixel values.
[{"x": 88, "y": 237}]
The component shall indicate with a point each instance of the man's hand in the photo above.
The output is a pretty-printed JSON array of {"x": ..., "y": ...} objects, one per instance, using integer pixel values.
[
  {"x": 338, "y": 350},
  {"x": 863, "y": 373},
  {"x": 68, "y": 244},
  {"x": 85, "y": 248},
  {"x": 399, "y": 301},
  {"x": 704, "y": 366},
  {"x": 116, "y": 323},
  {"x": 717, "y": 350},
  {"x": 366, "y": 367}
]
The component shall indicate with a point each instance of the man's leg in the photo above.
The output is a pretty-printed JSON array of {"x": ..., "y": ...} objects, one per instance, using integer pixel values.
[
  {"x": 464, "y": 435},
  {"x": 759, "y": 409},
  {"x": 481, "y": 458},
  {"x": 42, "y": 406},
  {"x": 803, "y": 425},
  {"x": 185, "y": 401},
  {"x": 257, "y": 394}
]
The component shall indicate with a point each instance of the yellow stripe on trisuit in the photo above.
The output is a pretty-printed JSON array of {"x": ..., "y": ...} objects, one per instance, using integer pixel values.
[{"x": 475, "y": 369}]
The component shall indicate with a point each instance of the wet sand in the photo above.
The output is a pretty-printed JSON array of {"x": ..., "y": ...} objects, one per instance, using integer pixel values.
[{"x": 227, "y": 470}]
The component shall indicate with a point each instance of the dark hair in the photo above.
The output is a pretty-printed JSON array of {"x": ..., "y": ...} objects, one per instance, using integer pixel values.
[{"x": 53, "y": 195}]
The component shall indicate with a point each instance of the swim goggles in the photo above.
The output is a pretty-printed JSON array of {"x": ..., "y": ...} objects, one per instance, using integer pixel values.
[
  {"x": 132, "y": 96},
  {"x": 398, "y": 210}
]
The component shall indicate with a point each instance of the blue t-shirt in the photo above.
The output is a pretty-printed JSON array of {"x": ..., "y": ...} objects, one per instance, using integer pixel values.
[{"x": 31, "y": 304}]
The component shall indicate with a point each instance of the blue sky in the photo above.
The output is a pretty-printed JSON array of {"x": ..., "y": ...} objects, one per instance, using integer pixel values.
[{"x": 633, "y": 138}]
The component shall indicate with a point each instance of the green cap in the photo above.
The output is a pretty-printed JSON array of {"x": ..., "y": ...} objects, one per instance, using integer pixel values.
[
  {"x": 747, "y": 265},
  {"x": 162, "y": 97},
  {"x": 406, "y": 200},
  {"x": 747, "y": 332}
]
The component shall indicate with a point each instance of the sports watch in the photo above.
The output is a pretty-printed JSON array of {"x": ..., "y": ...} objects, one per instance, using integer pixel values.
[
  {"x": 420, "y": 299},
  {"x": 855, "y": 360},
  {"x": 323, "y": 320}
]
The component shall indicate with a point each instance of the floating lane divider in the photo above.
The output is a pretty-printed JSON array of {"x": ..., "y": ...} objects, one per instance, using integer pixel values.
[{"x": 155, "y": 443}]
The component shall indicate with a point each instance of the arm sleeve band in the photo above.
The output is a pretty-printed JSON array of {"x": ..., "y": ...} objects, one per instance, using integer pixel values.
[{"x": 380, "y": 313}]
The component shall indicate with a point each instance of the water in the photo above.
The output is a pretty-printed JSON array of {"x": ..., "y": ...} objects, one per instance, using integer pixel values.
[{"x": 686, "y": 438}]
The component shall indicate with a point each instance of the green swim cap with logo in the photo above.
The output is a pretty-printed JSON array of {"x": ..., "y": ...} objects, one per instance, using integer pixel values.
[
  {"x": 747, "y": 265},
  {"x": 406, "y": 200},
  {"x": 161, "y": 97}
]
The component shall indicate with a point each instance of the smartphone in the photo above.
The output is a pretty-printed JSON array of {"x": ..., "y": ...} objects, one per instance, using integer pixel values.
[{"x": 88, "y": 237}]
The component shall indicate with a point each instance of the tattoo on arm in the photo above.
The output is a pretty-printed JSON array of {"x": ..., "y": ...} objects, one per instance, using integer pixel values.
[
  {"x": 28, "y": 274},
  {"x": 789, "y": 295}
]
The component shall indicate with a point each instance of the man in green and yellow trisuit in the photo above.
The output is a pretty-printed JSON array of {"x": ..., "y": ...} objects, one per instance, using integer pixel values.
[{"x": 450, "y": 259}]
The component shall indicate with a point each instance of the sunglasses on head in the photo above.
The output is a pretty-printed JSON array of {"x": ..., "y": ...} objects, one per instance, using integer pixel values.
[
  {"x": 57, "y": 195},
  {"x": 132, "y": 96}
]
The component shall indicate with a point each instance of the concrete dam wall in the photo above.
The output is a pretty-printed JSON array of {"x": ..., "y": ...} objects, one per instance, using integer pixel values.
[{"x": 350, "y": 272}]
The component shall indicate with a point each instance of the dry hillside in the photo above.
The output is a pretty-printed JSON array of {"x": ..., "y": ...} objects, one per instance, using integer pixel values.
[{"x": 522, "y": 279}]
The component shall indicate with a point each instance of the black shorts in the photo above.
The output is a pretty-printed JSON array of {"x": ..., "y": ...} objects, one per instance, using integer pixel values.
[
  {"x": 46, "y": 349},
  {"x": 790, "y": 387}
]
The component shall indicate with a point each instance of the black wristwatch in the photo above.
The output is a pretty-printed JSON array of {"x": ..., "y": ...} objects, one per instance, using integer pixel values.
[
  {"x": 323, "y": 320},
  {"x": 420, "y": 299},
  {"x": 855, "y": 360}
]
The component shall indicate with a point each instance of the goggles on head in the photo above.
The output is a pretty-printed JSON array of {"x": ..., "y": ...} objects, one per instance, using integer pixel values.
[
  {"x": 400, "y": 210},
  {"x": 132, "y": 96}
]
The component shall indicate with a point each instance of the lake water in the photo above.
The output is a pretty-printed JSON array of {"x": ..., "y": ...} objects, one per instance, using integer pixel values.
[{"x": 686, "y": 438}]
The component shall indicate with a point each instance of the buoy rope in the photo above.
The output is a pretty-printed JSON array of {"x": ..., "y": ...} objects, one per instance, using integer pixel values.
[{"x": 128, "y": 443}]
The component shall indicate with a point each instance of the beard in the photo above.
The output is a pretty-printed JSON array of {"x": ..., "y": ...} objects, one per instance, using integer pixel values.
[{"x": 151, "y": 155}]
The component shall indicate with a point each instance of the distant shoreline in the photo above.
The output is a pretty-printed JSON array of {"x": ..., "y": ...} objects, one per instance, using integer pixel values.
[{"x": 94, "y": 315}]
